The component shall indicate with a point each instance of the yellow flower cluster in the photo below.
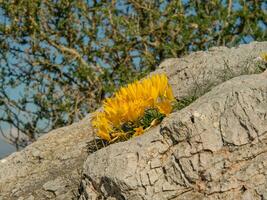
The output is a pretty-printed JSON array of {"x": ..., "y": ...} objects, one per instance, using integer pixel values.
[
  {"x": 129, "y": 105},
  {"x": 263, "y": 56}
]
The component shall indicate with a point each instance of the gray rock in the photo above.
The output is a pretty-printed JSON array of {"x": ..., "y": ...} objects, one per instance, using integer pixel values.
[
  {"x": 198, "y": 72},
  {"x": 216, "y": 149},
  {"x": 49, "y": 168}
]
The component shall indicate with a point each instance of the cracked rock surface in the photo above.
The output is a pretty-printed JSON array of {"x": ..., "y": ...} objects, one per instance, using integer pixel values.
[
  {"x": 50, "y": 168},
  {"x": 200, "y": 71},
  {"x": 214, "y": 148}
]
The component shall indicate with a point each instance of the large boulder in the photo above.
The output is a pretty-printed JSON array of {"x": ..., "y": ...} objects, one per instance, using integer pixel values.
[
  {"x": 216, "y": 148},
  {"x": 195, "y": 74},
  {"x": 50, "y": 168},
  {"x": 206, "y": 150}
]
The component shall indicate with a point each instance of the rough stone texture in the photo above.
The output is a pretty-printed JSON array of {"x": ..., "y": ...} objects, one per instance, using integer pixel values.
[
  {"x": 216, "y": 148},
  {"x": 196, "y": 73},
  {"x": 49, "y": 168}
]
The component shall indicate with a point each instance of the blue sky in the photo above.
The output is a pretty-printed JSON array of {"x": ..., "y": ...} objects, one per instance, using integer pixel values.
[{"x": 5, "y": 148}]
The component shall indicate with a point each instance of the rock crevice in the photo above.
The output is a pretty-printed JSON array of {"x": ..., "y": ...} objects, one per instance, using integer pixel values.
[{"x": 218, "y": 155}]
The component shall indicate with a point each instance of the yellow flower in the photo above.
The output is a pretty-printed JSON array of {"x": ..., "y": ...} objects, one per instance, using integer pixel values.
[
  {"x": 264, "y": 56},
  {"x": 117, "y": 135},
  {"x": 133, "y": 110},
  {"x": 164, "y": 107},
  {"x": 103, "y": 125},
  {"x": 138, "y": 131},
  {"x": 104, "y": 135},
  {"x": 168, "y": 94},
  {"x": 129, "y": 104}
]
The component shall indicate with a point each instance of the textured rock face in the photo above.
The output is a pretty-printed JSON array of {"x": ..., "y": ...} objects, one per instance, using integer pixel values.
[
  {"x": 50, "y": 168},
  {"x": 200, "y": 71},
  {"x": 216, "y": 148}
]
